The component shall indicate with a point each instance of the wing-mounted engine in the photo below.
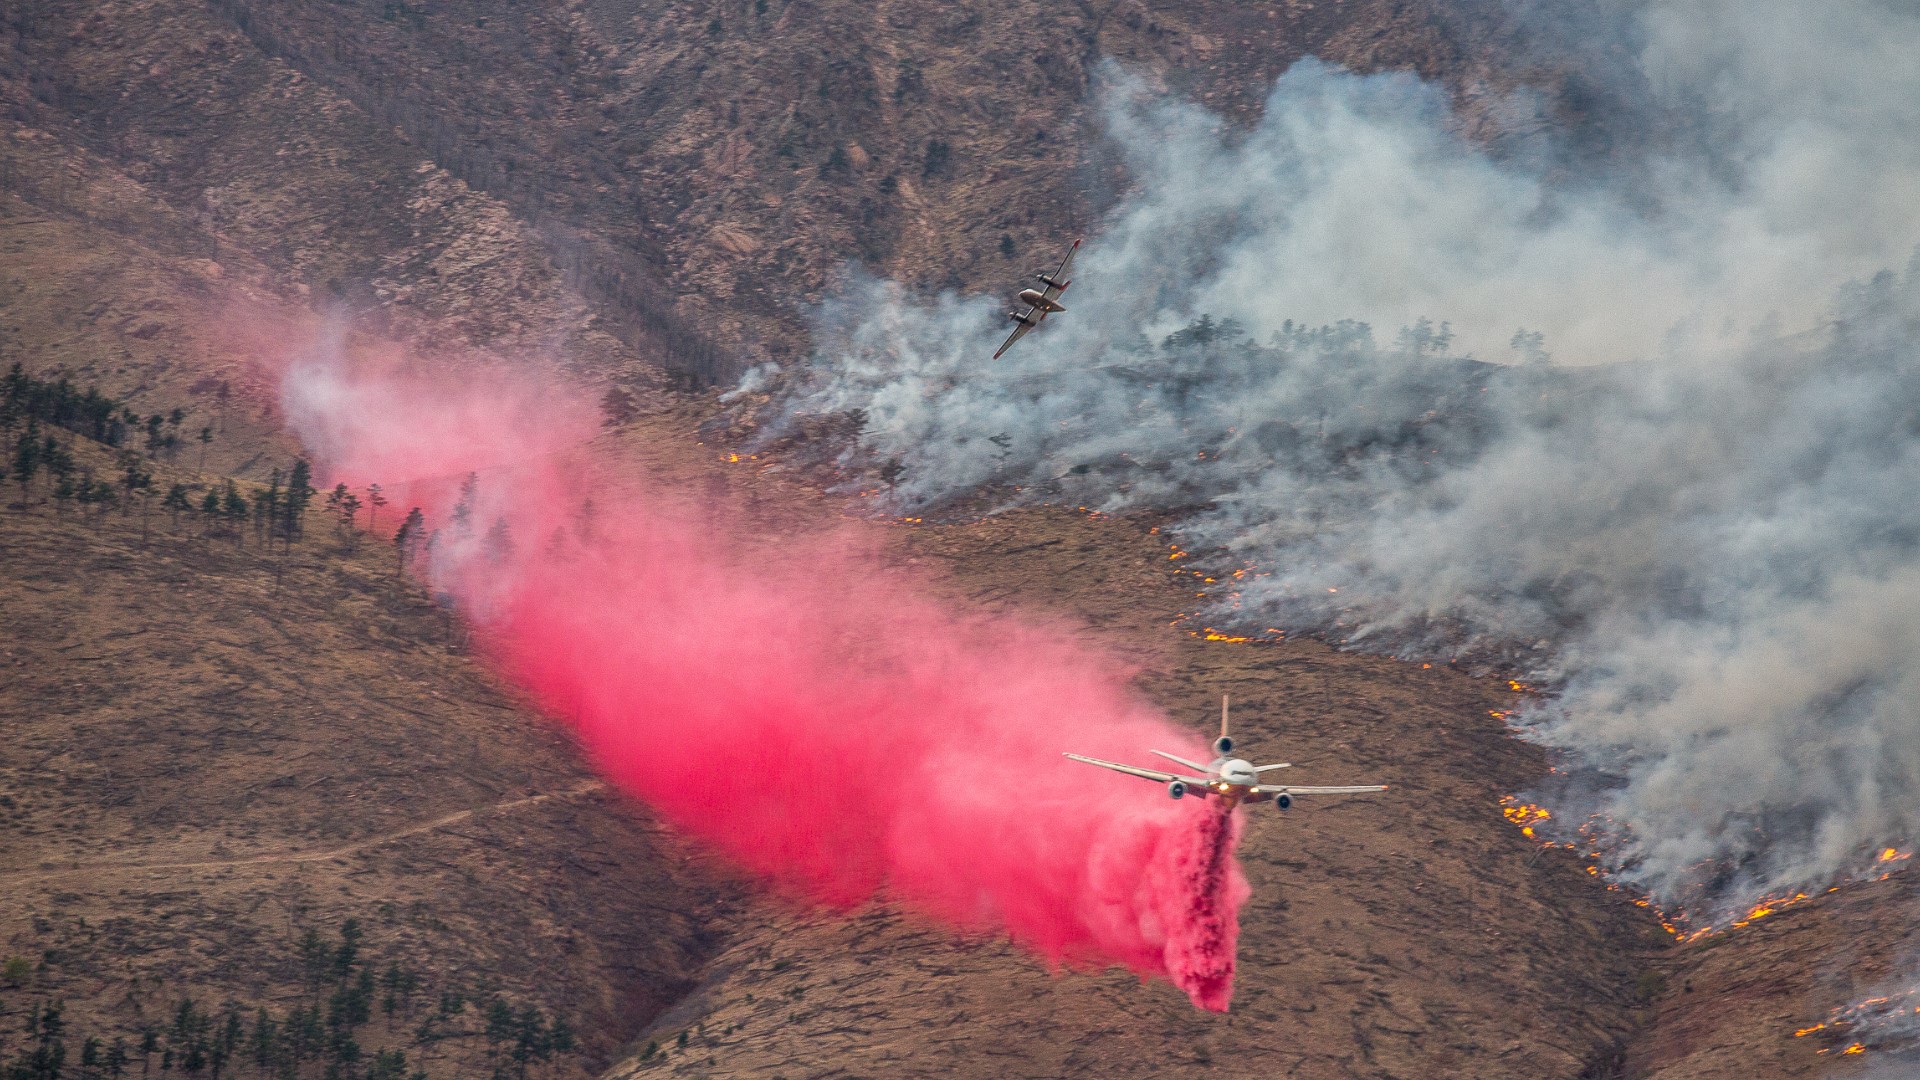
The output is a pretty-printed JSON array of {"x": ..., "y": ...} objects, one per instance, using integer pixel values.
[
  {"x": 1049, "y": 281},
  {"x": 1021, "y": 318},
  {"x": 1283, "y": 800},
  {"x": 1176, "y": 789}
]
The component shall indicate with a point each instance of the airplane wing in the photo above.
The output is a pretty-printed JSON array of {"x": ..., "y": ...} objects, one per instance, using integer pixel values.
[
  {"x": 1288, "y": 789},
  {"x": 1058, "y": 281},
  {"x": 1145, "y": 774},
  {"x": 1025, "y": 323},
  {"x": 1181, "y": 760}
]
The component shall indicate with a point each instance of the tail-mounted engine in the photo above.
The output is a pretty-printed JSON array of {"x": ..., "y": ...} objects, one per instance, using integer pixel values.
[{"x": 1223, "y": 746}]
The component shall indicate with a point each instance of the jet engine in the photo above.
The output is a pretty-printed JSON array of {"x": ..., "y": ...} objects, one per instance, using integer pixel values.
[
  {"x": 1176, "y": 789},
  {"x": 1223, "y": 746},
  {"x": 1283, "y": 801}
]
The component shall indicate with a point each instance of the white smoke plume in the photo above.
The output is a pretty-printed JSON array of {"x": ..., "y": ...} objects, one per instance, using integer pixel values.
[{"x": 1697, "y": 524}]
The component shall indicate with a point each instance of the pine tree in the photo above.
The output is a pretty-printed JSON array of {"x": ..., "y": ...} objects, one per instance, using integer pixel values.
[
  {"x": 300, "y": 493},
  {"x": 54, "y": 457},
  {"x": 267, "y": 509},
  {"x": 463, "y": 509},
  {"x": 265, "y": 1043},
  {"x": 500, "y": 1025},
  {"x": 388, "y": 1065},
  {"x": 316, "y": 956},
  {"x": 890, "y": 475},
  {"x": 102, "y": 494},
  {"x": 188, "y": 1021},
  {"x": 209, "y": 512},
  {"x": 233, "y": 506},
  {"x": 227, "y": 1041},
  {"x": 375, "y": 500},
  {"x": 133, "y": 476},
  {"x": 407, "y": 539},
  {"x": 499, "y": 542},
  {"x": 26, "y": 461},
  {"x": 176, "y": 503},
  {"x": 347, "y": 953}
]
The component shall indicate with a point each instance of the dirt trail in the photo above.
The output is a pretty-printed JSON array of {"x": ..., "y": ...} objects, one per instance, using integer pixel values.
[{"x": 591, "y": 787}]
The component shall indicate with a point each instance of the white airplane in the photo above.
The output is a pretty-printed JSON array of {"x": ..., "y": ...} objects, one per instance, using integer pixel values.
[
  {"x": 1040, "y": 303},
  {"x": 1231, "y": 780}
]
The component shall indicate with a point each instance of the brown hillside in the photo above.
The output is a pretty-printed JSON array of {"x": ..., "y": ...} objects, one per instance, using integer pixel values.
[
  {"x": 211, "y": 750},
  {"x": 206, "y": 752},
  {"x": 1418, "y": 934},
  {"x": 673, "y": 175}
]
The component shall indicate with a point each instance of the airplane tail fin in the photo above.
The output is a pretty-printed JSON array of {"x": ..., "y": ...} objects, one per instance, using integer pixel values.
[{"x": 1224, "y": 744}]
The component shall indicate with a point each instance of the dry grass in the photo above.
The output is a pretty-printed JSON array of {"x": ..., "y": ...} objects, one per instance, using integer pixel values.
[{"x": 210, "y": 749}]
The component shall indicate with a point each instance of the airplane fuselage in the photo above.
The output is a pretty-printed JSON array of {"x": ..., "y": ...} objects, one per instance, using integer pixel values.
[
  {"x": 1038, "y": 299},
  {"x": 1233, "y": 781}
]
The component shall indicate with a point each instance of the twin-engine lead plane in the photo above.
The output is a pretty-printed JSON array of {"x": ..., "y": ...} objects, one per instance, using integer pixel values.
[
  {"x": 1231, "y": 780},
  {"x": 1040, "y": 302}
]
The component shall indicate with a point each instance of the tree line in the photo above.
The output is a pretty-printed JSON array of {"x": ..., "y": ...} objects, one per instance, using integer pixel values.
[
  {"x": 322, "y": 1035},
  {"x": 40, "y": 462},
  {"x": 104, "y": 419}
]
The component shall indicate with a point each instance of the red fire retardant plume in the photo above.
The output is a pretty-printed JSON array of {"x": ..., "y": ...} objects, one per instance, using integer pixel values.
[{"x": 821, "y": 721}]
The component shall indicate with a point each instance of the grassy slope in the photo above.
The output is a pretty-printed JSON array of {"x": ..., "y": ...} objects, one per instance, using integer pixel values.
[{"x": 210, "y": 749}]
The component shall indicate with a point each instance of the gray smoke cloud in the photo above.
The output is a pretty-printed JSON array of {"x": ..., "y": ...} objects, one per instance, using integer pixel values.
[{"x": 1697, "y": 524}]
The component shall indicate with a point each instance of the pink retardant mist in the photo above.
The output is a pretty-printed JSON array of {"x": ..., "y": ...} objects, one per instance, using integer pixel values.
[{"x": 812, "y": 714}]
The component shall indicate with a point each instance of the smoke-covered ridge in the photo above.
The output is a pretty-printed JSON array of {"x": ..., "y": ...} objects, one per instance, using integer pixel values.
[{"x": 1702, "y": 534}]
